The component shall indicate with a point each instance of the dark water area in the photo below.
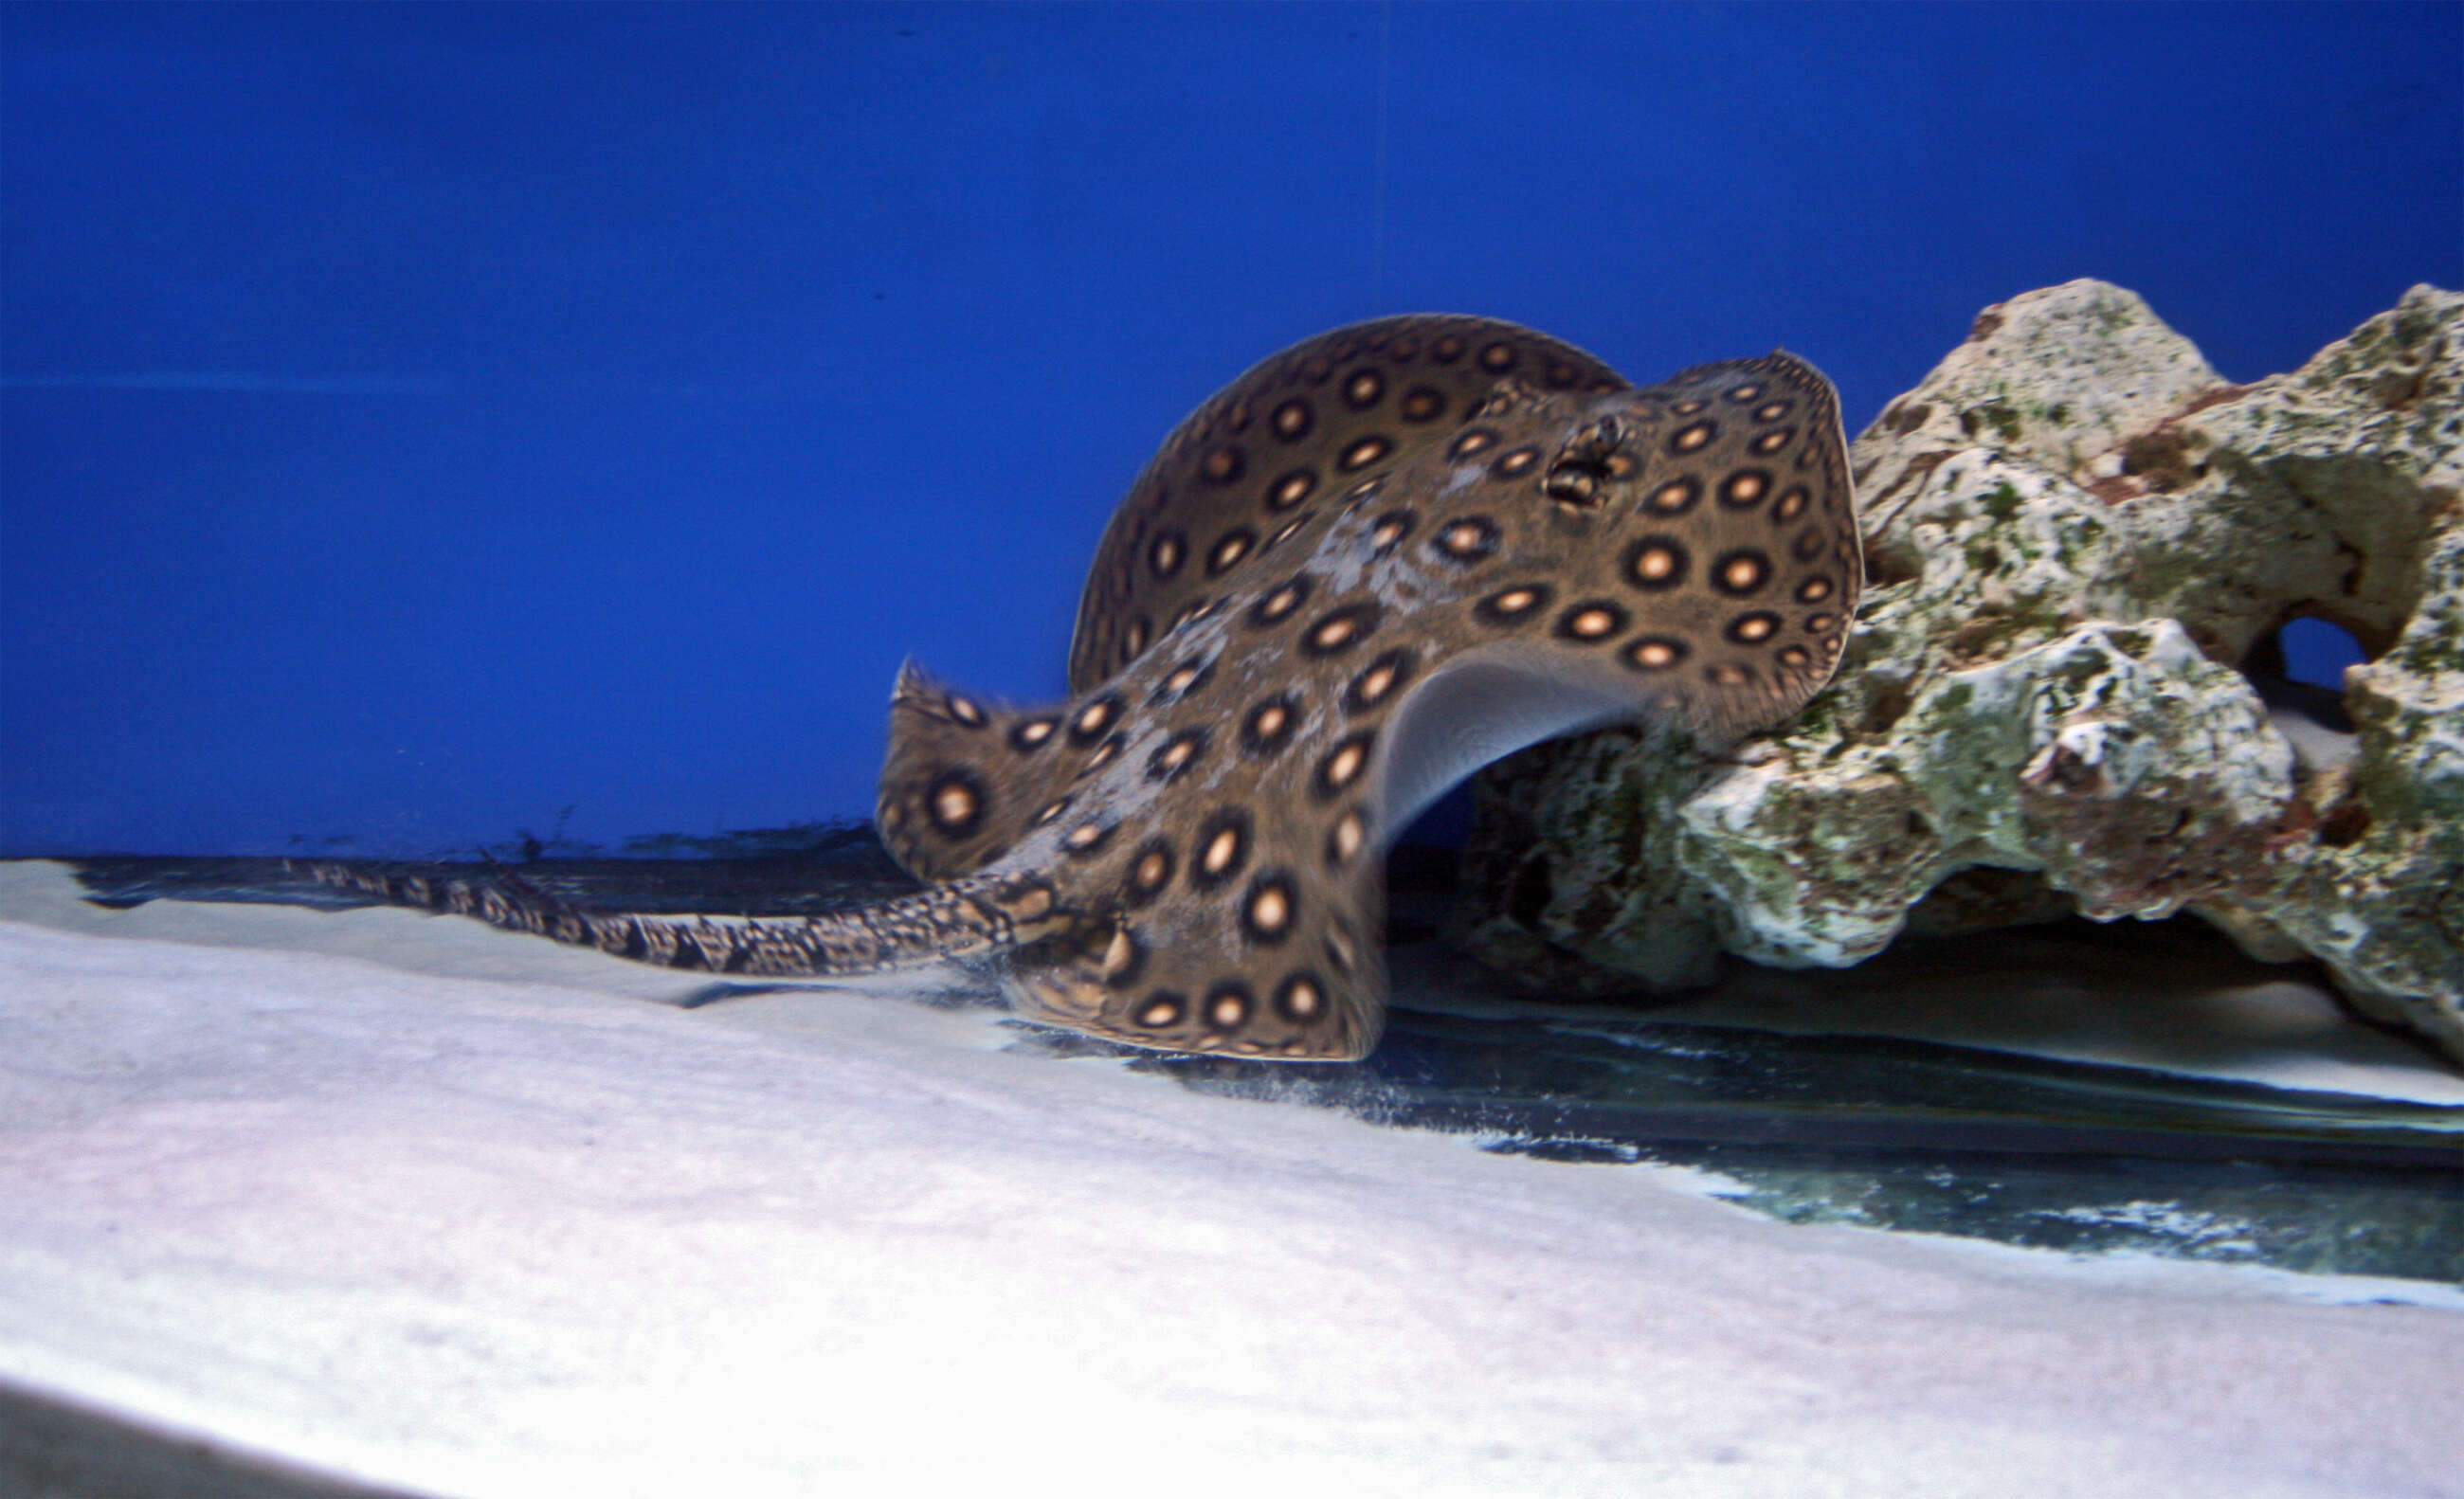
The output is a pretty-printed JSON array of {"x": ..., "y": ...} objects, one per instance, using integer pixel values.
[{"x": 1886, "y": 1132}]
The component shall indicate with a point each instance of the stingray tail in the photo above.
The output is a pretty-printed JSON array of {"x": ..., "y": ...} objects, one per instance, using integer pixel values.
[{"x": 974, "y": 915}]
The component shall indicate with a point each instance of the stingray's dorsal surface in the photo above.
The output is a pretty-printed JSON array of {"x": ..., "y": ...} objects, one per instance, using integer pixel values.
[
  {"x": 1375, "y": 562},
  {"x": 1312, "y": 614},
  {"x": 1257, "y": 472},
  {"x": 1286, "y": 445}
]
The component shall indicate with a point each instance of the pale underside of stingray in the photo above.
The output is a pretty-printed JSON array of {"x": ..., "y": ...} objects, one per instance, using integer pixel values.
[{"x": 1374, "y": 564}]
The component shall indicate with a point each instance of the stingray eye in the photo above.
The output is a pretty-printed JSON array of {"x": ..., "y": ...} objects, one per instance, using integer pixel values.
[{"x": 1580, "y": 472}]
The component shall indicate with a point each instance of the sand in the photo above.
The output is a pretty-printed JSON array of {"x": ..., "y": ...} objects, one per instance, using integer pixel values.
[{"x": 419, "y": 1204}]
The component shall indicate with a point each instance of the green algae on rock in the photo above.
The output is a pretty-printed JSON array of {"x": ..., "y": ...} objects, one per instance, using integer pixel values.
[{"x": 2081, "y": 542}]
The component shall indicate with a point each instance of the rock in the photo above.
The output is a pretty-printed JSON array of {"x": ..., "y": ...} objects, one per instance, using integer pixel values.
[{"x": 2063, "y": 693}]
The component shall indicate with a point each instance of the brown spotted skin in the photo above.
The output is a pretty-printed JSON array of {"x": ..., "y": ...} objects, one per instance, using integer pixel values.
[
  {"x": 1286, "y": 443},
  {"x": 1212, "y": 804},
  {"x": 1257, "y": 472},
  {"x": 937, "y": 816},
  {"x": 1374, "y": 563}
]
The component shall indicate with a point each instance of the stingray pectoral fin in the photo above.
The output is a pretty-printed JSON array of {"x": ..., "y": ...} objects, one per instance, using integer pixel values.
[
  {"x": 974, "y": 914},
  {"x": 1280, "y": 956},
  {"x": 965, "y": 779}
]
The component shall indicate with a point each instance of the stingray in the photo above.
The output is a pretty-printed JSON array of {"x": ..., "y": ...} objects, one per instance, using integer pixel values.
[{"x": 1375, "y": 562}]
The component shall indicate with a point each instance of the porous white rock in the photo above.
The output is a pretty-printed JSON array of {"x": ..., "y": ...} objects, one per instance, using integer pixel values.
[{"x": 2081, "y": 541}]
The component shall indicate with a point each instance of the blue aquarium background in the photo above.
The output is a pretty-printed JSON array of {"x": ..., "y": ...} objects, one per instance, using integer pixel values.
[{"x": 423, "y": 425}]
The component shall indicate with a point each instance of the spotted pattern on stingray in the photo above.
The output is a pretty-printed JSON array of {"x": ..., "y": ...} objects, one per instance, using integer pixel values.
[{"x": 1269, "y": 669}]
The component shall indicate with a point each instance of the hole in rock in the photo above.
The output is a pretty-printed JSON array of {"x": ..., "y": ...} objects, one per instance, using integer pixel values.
[
  {"x": 1888, "y": 565},
  {"x": 1886, "y": 702},
  {"x": 2316, "y": 650},
  {"x": 1529, "y": 895},
  {"x": 2299, "y": 668},
  {"x": 2345, "y": 824}
]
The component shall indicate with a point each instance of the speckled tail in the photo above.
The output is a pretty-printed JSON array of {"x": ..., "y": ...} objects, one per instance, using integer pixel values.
[{"x": 967, "y": 915}]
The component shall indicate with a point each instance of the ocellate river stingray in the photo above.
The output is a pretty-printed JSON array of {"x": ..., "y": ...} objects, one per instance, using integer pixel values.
[{"x": 1374, "y": 564}]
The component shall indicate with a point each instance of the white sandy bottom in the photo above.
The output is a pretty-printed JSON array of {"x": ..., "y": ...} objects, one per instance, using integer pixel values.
[{"x": 491, "y": 1238}]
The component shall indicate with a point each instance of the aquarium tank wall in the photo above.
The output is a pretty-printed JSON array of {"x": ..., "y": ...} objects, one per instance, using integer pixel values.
[{"x": 434, "y": 429}]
